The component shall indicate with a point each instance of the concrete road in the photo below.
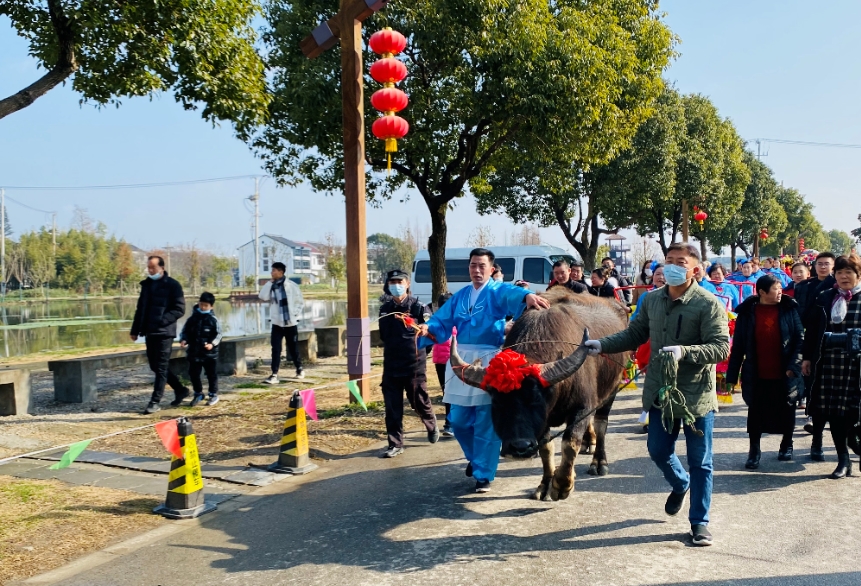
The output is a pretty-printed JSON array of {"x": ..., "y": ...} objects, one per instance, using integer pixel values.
[{"x": 415, "y": 520}]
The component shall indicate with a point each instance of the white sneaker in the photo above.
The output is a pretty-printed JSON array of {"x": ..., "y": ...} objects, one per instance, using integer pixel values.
[
  {"x": 271, "y": 380},
  {"x": 300, "y": 375}
]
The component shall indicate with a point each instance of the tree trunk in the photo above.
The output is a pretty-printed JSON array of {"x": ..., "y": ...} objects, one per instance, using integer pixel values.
[
  {"x": 436, "y": 248},
  {"x": 65, "y": 66},
  {"x": 732, "y": 249},
  {"x": 703, "y": 251}
]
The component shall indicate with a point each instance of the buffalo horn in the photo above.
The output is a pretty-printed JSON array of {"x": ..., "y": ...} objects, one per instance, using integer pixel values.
[
  {"x": 554, "y": 372},
  {"x": 471, "y": 374}
]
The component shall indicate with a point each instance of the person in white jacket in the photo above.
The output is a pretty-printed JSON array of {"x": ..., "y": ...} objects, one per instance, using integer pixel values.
[{"x": 286, "y": 307}]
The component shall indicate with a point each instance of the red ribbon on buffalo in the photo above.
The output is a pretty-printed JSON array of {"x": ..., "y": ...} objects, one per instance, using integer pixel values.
[{"x": 507, "y": 370}]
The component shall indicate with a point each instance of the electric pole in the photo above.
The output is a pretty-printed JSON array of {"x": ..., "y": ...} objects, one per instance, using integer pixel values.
[
  {"x": 256, "y": 199},
  {"x": 54, "y": 231}
]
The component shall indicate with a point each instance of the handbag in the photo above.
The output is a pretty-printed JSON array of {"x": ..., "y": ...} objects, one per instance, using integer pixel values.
[{"x": 795, "y": 388}]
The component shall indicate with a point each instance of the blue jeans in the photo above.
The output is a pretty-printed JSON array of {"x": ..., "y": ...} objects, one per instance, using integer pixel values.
[
  {"x": 662, "y": 449},
  {"x": 473, "y": 430}
]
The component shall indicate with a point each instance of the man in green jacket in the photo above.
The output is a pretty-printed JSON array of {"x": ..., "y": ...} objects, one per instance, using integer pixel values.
[{"x": 687, "y": 322}]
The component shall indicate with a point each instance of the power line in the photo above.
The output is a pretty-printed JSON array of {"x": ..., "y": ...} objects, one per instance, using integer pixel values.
[
  {"x": 129, "y": 185},
  {"x": 808, "y": 143},
  {"x": 28, "y": 207}
]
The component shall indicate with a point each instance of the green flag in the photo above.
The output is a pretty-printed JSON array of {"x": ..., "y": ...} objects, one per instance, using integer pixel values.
[
  {"x": 73, "y": 452},
  {"x": 354, "y": 390}
]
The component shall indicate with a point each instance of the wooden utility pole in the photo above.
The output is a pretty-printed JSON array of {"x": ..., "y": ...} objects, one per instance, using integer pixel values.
[{"x": 346, "y": 25}]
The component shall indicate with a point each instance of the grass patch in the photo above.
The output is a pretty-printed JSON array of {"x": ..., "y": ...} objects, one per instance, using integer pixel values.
[
  {"x": 22, "y": 491},
  {"x": 352, "y": 409}
]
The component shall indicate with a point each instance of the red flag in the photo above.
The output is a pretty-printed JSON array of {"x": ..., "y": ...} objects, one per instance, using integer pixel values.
[
  {"x": 309, "y": 402},
  {"x": 169, "y": 434}
]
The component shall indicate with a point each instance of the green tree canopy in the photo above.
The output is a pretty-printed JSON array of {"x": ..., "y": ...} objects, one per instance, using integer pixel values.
[
  {"x": 389, "y": 252},
  {"x": 841, "y": 242},
  {"x": 200, "y": 50},
  {"x": 487, "y": 77}
]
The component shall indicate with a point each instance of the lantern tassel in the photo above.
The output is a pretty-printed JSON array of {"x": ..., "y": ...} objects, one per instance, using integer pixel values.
[{"x": 389, "y": 166}]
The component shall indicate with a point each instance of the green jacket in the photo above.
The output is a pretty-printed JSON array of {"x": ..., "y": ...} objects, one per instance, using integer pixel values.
[{"x": 697, "y": 322}]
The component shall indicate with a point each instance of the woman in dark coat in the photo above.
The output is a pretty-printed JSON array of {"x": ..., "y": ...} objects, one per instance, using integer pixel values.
[
  {"x": 601, "y": 285},
  {"x": 836, "y": 392},
  {"x": 766, "y": 350}
]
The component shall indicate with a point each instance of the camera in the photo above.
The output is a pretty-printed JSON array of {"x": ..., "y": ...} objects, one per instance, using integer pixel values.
[{"x": 849, "y": 341}]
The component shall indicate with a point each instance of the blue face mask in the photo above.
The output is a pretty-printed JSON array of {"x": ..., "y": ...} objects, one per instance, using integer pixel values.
[
  {"x": 155, "y": 277},
  {"x": 202, "y": 311},
  {"x": 398, "y": 290},
  {"x": 675, "y": 275}
]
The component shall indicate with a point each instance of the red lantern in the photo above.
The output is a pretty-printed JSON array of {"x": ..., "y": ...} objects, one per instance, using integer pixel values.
[
  {"x": 801, "y": 245},
  {"x": 389, "y": 99},
  {"x": 763, "y": 235},
  {"x": 700, "y": 217},
  {"x": 387, "y": 42},
  {"x": 390, "y": 129},
  {"x": 388, "y": 71}
]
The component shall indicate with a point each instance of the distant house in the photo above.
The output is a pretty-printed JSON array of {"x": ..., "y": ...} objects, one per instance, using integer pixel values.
[{"x": 303, "y": 259}]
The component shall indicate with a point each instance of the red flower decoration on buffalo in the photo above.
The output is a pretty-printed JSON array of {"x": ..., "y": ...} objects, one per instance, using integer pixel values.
[{"x": 506, "y": 372}]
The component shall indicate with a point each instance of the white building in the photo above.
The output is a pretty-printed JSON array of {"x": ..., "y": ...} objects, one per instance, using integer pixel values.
[{"x": 301, "y": 258}]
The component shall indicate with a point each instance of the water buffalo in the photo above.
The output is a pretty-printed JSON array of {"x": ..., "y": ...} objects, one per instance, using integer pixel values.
[{"x": 523, "y": 417}]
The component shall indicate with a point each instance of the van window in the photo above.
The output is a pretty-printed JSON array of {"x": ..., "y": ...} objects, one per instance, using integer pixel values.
[
  {"x": 456, "y": 270},
  {"x": 507, "y": 266},
  {"x": 537, "y": 270}
]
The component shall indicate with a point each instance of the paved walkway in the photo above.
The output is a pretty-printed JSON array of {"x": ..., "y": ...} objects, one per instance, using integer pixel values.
[{"x": 415, "y": 520}]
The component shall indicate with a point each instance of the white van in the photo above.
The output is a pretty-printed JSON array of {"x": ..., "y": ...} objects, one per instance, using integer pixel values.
[{"x": 533, "y": 264}]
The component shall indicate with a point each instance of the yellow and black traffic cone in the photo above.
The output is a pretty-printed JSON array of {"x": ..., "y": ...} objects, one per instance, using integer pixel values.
[
  {"x": 185, "y": 499},
  {"x": 293, "y": 455}
]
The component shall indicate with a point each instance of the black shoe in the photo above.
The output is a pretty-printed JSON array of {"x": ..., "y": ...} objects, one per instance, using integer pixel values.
[
  {"x": 392, "y": 452},
  {"x": 482, "y": 486},
  {"x": 469, "y": 470},
  {"x": 196, "y": 400},
  {"x": 844, "y": 467},
  {"x": 785, "y": 454},
  {"x": 808, "y": 427},
  {"x": 447, "y": 430},
  {"x": 816, "y": 453},
  {"x": 675, "y": 502},
  {"x": 433, "y": 435},
  {"x": 753, "y": 460},
  {"x": 151, "y": 408},
  {"x": 701, "y": 535},
  {"x": 180, "y": 397}
]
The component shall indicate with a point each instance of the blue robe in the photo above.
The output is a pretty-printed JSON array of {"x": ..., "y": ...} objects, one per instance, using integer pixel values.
[{"x": 727, "y": 290}]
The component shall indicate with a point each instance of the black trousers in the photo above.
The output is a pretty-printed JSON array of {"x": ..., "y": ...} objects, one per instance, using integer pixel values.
[
  {"x": 440, "y": 374},
  {"x": 290, "y": 334},
  {"x": 158, "y": 356},
  {"x": 208, "y": 365},
  {"x": 416, "y": 387}
]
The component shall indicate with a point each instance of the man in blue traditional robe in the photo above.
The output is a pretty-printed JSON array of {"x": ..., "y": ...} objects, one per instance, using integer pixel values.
[{"x": 478, "y": 312}]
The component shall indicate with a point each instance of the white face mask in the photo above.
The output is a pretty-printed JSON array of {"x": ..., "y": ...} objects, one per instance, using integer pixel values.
[
  {"x": 648, "y": 273},
  {"x": 155, "y": 277}
]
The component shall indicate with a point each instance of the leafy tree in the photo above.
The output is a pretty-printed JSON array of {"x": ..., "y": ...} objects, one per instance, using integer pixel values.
[
  {"x": 124, "y": 262},
  {"x": 800, "y": 223},
  {"x": 857, "y": 231},
  {"x": 389, "y": 252},
  {"x": 841, "y": 242},
  {"x": 760, "y": 208},
  {"x": 336, "y": 268},
  {"x": 486, "y": 78},
  {"x": 200, "y": 50}
]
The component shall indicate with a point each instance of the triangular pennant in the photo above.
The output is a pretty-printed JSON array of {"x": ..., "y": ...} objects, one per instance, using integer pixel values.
[
  {"x": 309, "y": 402},
  {"x": 73, "y": 452},
  {"x": 354, "y": 390},
  {"x": 169, "y": 434}
]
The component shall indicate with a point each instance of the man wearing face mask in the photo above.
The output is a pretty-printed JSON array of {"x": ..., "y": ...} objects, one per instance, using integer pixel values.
[
  {"x": 160, "y": 305},
  {"x": 404, "y": 365},
  {"x": 689, "y": 323}
]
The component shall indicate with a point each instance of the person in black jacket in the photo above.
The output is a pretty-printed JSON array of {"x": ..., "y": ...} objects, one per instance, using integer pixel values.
[
  {"x": 562, "y": 278},
  {"x": 806, "y": 292},
  {"x": 601, "y": 284},
  {"x": 835, "y": 396},
  {"x": 766, "y": 350},
  {"x": 201, "y": 335},
  {"x": 160, "y": 305},
  {"x": 404, "y": 365}
]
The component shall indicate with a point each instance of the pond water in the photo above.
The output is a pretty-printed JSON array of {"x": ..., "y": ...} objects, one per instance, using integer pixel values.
[{"x": 70, "y": 325}]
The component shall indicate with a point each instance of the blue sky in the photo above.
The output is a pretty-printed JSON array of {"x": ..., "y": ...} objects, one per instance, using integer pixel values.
[{"x": 779, "y": 69}]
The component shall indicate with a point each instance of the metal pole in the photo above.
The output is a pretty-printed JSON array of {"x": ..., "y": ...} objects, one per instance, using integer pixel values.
[{"x": 256, "y": 199}]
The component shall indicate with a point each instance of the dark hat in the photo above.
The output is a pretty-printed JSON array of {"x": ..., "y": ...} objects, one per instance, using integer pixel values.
[{"x": 397, "y": 274}]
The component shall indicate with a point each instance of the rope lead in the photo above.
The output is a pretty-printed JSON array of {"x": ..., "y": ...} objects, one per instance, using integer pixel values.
[{"x": 670, "y": 397}]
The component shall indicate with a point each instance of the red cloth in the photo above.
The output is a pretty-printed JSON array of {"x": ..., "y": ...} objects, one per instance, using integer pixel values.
[
  {"x": 768, "y": 343},
  {"x": 442, "y": 352},
  {"x": 644, "y": 353}
]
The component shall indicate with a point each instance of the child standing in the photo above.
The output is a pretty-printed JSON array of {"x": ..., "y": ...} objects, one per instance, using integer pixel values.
[
  {"x": 441, "y": 354},
  {"x": 404, "y": 365},
  {"x": 201, "y": 335}
]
